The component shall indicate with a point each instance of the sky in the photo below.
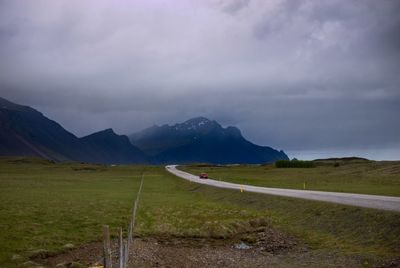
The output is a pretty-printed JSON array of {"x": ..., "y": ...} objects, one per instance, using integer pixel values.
[{"x": 313, "y": 78}]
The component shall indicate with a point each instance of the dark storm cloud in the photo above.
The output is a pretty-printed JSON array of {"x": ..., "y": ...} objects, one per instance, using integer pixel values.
[{"x": 303, "y": 76}]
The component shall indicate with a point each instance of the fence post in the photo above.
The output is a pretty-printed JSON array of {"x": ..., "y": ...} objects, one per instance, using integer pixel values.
[
  {"x": 130, "y": 227},
  {"x": 107, "y": 247},
  {"x": 121, "y": 250},
  {"x": 126, "y": 253},
  {"x": 124, "y": 245}
]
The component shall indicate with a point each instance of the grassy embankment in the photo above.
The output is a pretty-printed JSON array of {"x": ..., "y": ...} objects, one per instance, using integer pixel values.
[
  {"x": 359, "y": 176},
  {"x": 44, "y": 206}
]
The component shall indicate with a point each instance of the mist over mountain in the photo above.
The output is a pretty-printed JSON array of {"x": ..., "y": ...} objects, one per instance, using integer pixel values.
[
  {"x": 201, "y": 140},
  {"x": 25, "y": 131}
]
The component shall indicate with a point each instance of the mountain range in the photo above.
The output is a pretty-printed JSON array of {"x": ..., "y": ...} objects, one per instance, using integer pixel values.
[
  {"x": 201, "y": 140},
  {"x": 25, "y": 131}
]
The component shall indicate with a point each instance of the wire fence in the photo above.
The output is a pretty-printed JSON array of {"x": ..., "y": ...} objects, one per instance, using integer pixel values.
[{"x": 124, "y": 244}]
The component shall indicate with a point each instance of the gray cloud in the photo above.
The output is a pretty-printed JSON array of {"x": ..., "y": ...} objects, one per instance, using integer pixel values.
[
  {"x": 234, "y": 6},
  {"x": 298, "y": 75}
]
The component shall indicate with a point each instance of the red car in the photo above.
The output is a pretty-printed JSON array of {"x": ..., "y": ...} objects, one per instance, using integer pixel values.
[{"x": 203, "y": 176}]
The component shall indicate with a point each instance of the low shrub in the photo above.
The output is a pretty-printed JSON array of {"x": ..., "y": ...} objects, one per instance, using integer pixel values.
[{"x": 294, "y": 164}]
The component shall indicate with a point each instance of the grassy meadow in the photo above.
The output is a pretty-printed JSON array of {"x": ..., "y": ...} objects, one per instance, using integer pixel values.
[
  {"x": 46, "y": 207},
  {"x": 351, "y": 176}
]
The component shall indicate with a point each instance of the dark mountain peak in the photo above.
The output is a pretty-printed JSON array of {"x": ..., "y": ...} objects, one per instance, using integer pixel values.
[
  {"x": 201, "y": 140},
  {"x": 108, "y": 147},
  {"x": 26, "y": 132},
  {"x": 197, "y": 120},
  {"x": 195, "y": 124},
  {"x": 103, "y": 134},
  {"x": 8, "y": 105},
  {"x": 108, "y": 131}
]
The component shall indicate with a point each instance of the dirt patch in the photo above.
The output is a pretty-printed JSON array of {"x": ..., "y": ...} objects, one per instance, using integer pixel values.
[
  {"x": 273, "y": 241},
  {"x": 395, "y": 263},
  {"x": 87, "y": 254},
  {"x": 255, "y": 244},
  {"x": 153, "y": 254},
  {"x": 187, "y": 251},
  {"x": 177, "y": 252}
]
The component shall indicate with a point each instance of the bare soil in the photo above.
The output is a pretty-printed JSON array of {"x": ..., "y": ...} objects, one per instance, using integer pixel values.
[
  {"x": 175, "y": 252},
  {"x": 268, "y": 248},
  {"x": 261, "y": 245}
]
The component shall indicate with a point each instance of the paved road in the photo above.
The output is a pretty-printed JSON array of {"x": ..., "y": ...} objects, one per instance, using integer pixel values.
[{"x": 361, "y": 200}]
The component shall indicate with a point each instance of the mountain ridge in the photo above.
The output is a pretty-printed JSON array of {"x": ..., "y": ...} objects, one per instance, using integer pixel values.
[
  {"x": 201, "y": 140},
  {"x": 25, "y": 131},
  {"x": 106, "y": 145}
]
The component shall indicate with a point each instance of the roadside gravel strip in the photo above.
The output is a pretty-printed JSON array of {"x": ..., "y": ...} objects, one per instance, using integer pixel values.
[{"x": 361, "y": 200}]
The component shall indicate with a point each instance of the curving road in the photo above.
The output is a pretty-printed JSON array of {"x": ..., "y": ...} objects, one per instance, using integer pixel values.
[{"x": 361, "y": 200}]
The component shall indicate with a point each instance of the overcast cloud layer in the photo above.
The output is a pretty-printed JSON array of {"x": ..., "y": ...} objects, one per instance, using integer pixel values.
[{"x": 314, "y": 78}]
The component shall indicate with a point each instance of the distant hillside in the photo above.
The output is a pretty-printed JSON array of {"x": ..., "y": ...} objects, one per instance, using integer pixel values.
[
  {"x": 107, "y": 147},
  {"x": 352, "y": 158},
  {"x": 201, "y": 140},
  {"x": 27, "y": 132}
]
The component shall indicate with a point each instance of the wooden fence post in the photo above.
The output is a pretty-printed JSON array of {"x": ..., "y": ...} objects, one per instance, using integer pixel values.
[
  {"x": 126, "y": 253},
  {"x": 107, "y": 247},
  {"x": 121, "y": 250}
]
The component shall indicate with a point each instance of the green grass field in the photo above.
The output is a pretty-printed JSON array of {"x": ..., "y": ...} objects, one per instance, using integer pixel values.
[
  {"x": 366, "y": 177},
  {"x": 44, "y": 206}
]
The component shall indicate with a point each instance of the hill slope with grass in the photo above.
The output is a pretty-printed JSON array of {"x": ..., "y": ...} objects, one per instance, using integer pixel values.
[
  {"x": 48, "y": 208},
  {"x": 337, "y": 175}
]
